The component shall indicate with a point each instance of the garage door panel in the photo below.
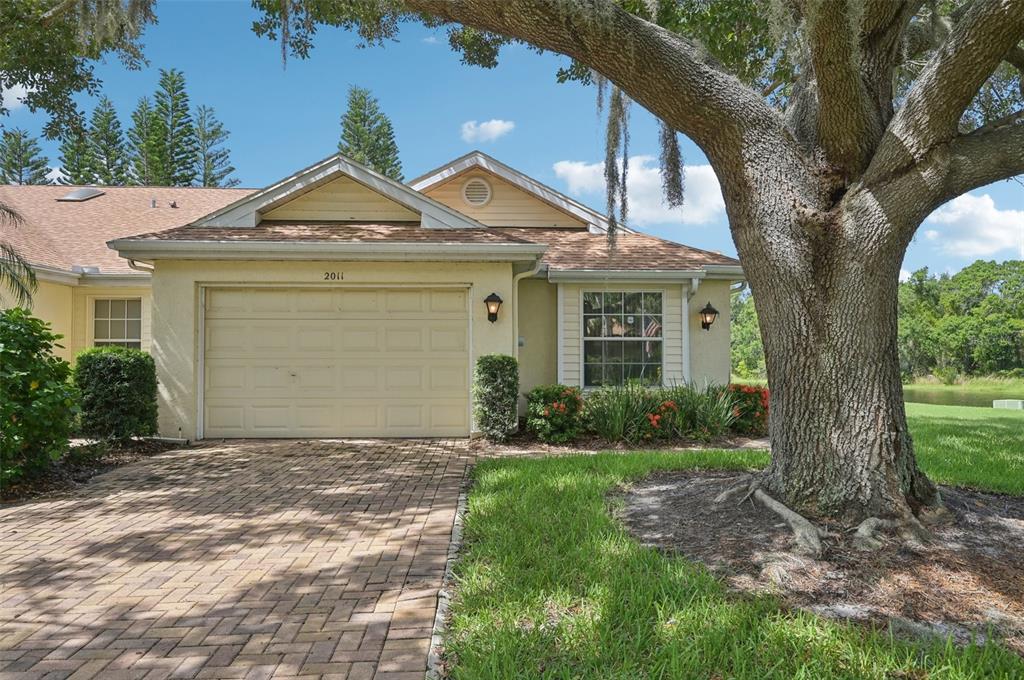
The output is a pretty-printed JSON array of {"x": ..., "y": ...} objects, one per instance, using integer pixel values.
[{"x": 336, "y": 362}]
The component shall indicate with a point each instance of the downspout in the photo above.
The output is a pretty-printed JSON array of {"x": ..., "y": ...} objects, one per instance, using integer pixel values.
[
  {"x": 694, "y": 285},
  {"x": 515, "y": 303},
  {"x": 139, "y": 267}
]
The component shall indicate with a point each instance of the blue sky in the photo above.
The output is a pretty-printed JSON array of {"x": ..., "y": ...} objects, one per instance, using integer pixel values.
[{"x": 283, "y": 119}]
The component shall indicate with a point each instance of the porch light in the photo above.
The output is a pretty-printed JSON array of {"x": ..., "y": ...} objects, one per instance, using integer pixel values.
[
  {"x": 708, "y": 316},
  {"x": 493, "y": 303}
]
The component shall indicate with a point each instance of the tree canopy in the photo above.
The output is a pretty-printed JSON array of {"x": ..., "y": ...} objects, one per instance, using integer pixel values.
[{"x": 367, "y": 135}]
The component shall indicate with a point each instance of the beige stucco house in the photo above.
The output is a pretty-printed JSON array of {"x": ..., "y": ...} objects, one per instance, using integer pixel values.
[{"x": 338, "y": 302}]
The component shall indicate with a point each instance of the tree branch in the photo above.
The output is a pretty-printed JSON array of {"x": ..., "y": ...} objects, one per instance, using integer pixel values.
[
  {"x": 671, "y": 76},
  {"x": 989, "y": 154},
  {"x": 976, "y": 46},
  {"x": 847, "y": 124}
]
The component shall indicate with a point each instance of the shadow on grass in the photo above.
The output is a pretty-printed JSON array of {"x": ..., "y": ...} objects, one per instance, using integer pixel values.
[{"x": 551, "y": 586}]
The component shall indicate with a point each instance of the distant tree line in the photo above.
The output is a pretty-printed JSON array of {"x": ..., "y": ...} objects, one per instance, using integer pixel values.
[
  {"x": 966, "y": 324},
  {"x": 167, "y": 144}
]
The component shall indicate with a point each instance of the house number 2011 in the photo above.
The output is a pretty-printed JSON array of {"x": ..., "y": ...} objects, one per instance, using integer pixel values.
[{"x": 334, "y": 276}]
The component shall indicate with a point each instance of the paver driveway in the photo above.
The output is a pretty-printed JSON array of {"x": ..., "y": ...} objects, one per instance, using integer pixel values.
[{"x": 248, "y": 559}]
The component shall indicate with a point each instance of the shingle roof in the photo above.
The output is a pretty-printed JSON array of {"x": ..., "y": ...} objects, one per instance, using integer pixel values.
[
  {"x": 581, "y": 250},
  {"x": 62, "y": 234},
  {"x": 272, "y": 231}
]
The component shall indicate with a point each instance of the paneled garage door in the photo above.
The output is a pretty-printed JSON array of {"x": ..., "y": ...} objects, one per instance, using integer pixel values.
[{"x": 336, "y": 362}]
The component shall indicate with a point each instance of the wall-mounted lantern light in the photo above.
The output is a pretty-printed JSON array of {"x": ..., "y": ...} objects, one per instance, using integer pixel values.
[
  {"x": 493, "y": 303},
  {"x": 708, "y": 316}
]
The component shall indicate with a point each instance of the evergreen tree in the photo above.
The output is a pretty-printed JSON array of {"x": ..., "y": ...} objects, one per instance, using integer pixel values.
[
  {"x": 21, "y": 159},
  {"x": 106, "y": 145},
  {"x": 367, "y": 136},
  {"x": 179, "y": 142},
  {"x": 213, "y": 162},
  {"x": 76, "y": 164},
  {"x": 148, "y": 165}
]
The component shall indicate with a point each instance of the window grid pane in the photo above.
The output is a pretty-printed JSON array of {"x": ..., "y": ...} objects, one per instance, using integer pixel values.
[
  {"x": 118, "y": 322},
  {"x": 623, "y": 334}
]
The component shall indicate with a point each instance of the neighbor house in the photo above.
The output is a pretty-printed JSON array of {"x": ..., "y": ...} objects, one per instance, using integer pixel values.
[{"x": 338, "y": 302}]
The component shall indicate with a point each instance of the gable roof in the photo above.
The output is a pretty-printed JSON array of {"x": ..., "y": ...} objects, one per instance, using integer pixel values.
[
  {"x": 479, "y": 160},
  {"x": 246, "y": 212},
  {"x": 71, "y": 236}
]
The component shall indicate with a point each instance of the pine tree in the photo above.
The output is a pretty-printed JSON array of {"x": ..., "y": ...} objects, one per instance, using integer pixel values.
[
  {"x": 106, "y": 145},
  {"x": 367, "y": 136},
  {"x": 148, "y": 165},
  {"x": 213, "y": 162},
  {"x": 179, "y": 143},
  {"x": 76, "y": 164},
  {"x": 21, "y": 159}
]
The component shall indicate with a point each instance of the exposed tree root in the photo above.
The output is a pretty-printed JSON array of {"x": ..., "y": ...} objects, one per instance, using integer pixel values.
[
  {"x": 808, "y": 536},
  {"x": 910, "y": 529}
]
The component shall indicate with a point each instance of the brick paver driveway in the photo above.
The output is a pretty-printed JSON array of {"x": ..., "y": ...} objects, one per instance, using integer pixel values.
[{"x": 249, "y": 559}]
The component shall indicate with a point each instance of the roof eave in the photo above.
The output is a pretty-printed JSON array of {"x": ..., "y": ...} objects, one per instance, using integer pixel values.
[
  {"x": 728, "y": 272},
  {"x": 318, "y": 250}
]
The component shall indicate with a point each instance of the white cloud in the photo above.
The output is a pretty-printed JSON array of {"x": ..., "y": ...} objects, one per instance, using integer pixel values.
[
  {"x": 431, "y": 40},
  {"x": 904, "y": 275},
  {"x": 972, "y": 226},
  {"x": 55, "y": 175},
  {"x": 488, "y": 131},
  {"x": 12, "y": 96},
  {"x": 703, "y": 197}
]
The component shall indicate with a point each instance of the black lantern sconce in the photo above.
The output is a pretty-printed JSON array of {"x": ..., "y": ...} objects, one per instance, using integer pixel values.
[
  {"x": 708, "y": 316},
  {"x": 493, "y": 302}
]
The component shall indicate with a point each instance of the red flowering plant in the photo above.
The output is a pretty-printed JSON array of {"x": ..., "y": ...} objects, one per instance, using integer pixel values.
[
  {"x": 661, "y": 420},
  {"x": 554, "y": 413},
  {"x": 750, "y": 408}
]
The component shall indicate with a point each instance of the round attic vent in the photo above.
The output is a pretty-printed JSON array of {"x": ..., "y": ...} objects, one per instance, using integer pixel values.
[{"x": 476, "y": 192}]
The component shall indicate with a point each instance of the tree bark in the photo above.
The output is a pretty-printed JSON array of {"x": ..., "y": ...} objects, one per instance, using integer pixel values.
[{"x": 828, "y": 315}]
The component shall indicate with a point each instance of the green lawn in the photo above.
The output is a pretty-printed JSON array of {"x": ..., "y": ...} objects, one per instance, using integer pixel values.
[
  {"x": 550, "y": 586},
  {"x": 978, "y": 447}
]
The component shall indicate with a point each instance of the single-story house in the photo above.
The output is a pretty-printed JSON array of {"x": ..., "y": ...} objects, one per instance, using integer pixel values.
[{"x": 338, "y": 302}]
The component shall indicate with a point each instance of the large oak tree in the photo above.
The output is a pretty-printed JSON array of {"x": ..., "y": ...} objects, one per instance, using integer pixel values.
[{"x": 835, "y": 127}]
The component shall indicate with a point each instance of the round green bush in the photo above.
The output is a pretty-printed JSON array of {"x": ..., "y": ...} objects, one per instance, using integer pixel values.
[
  {"x": 118, "y": 389},
  {"x": 496, "y": 396},
  {"x": 38, "y": 407},
  {"x": 555, "y": 413}
]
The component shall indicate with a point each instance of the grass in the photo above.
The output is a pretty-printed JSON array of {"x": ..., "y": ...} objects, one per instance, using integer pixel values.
[
  {"x": 978, "y": 447},
  {"x": 550, "y": 586}
]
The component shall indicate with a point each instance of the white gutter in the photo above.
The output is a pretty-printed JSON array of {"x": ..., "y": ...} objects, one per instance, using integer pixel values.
[
  {"x": 55, "y": 275},
  {"x": 139, "y": 267},
  {"x": 724, "y": 271},
  {"x": 325, "y": 250},
  {"x": 585, "y": 275}
]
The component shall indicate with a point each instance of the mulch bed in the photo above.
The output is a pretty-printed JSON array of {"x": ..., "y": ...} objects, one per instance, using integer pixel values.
[
  {"x": 523, "y": 441},
  {"x": 79, "y": 465},
  {"x": 968, "y": 583}
]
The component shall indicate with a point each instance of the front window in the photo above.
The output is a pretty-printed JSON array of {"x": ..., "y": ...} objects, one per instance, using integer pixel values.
[
  {"x": 621, "y": 338},
  {"x": 117, "y": 322}
]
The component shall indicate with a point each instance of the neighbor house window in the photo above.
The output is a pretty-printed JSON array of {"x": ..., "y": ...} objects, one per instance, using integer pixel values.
[
  {"x": 117, "y": 322},
  {"x": 621, "y": 338}
]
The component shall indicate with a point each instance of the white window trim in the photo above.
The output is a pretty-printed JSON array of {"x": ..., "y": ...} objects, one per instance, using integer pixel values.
[
  {"x": 583, "y": 291},
  {"x": 90, "y": 331}
]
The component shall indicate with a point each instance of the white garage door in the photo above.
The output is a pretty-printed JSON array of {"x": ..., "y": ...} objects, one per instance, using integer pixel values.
[{"x": 336, "y": 362}]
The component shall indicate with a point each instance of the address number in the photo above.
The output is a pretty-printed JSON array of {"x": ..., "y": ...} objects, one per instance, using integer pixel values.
[{"x": 334, "y": 276}]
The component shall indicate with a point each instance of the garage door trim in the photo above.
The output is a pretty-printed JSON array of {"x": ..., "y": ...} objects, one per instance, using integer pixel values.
[{"x": 200, "y": 378}]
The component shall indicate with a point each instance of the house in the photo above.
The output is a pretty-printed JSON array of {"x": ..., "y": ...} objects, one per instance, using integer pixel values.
[{"x": 338, "y": 302}]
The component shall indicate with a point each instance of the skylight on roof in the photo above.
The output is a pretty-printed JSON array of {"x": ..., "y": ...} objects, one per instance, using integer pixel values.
[{"x": 82, "y": 194}]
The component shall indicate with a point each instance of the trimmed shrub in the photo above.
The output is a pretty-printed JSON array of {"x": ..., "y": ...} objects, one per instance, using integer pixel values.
[
  {"x": 496, "y": 396},
  {"x": 38, "y": 407},
  {"x": 118, "y": 388},
  {"x": 750, "y": 409},
  {"x": 555, "y": 413}
]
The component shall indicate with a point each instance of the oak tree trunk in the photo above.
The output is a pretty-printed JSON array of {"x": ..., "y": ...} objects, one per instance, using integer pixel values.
[{"x": 827, "y": 306}]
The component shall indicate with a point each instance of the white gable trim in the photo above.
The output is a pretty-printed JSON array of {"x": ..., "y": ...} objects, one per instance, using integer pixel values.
[
  {"x": 478, "y": 159},
  {"x": 246, "y": 212}
]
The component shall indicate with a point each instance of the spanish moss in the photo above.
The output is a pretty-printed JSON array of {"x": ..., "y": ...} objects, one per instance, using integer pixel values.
[{"x": 673, "y": 171}]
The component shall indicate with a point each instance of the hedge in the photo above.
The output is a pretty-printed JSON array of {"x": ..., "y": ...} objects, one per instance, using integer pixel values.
[
  {"x": 118, "y": 388},
  {"x": 496, "y": 396}
]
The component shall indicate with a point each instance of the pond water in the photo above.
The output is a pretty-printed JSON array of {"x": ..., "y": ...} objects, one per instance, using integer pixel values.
[{"x": 947, "y": 396}]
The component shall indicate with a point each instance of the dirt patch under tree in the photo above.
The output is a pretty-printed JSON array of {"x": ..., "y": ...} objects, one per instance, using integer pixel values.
[{"x": 967, "y": 583}]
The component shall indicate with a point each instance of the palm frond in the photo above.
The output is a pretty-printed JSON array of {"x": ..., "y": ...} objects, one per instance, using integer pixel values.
[{"x": 16, "y": 275}]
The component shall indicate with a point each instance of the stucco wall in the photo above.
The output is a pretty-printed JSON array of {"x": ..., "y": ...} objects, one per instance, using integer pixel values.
[
  {"x": 69, "y": 311},
  {"x": 709, "y": 350},
  {"x": 176, "y": 313},
  {"x": 538, "y": 356}
]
